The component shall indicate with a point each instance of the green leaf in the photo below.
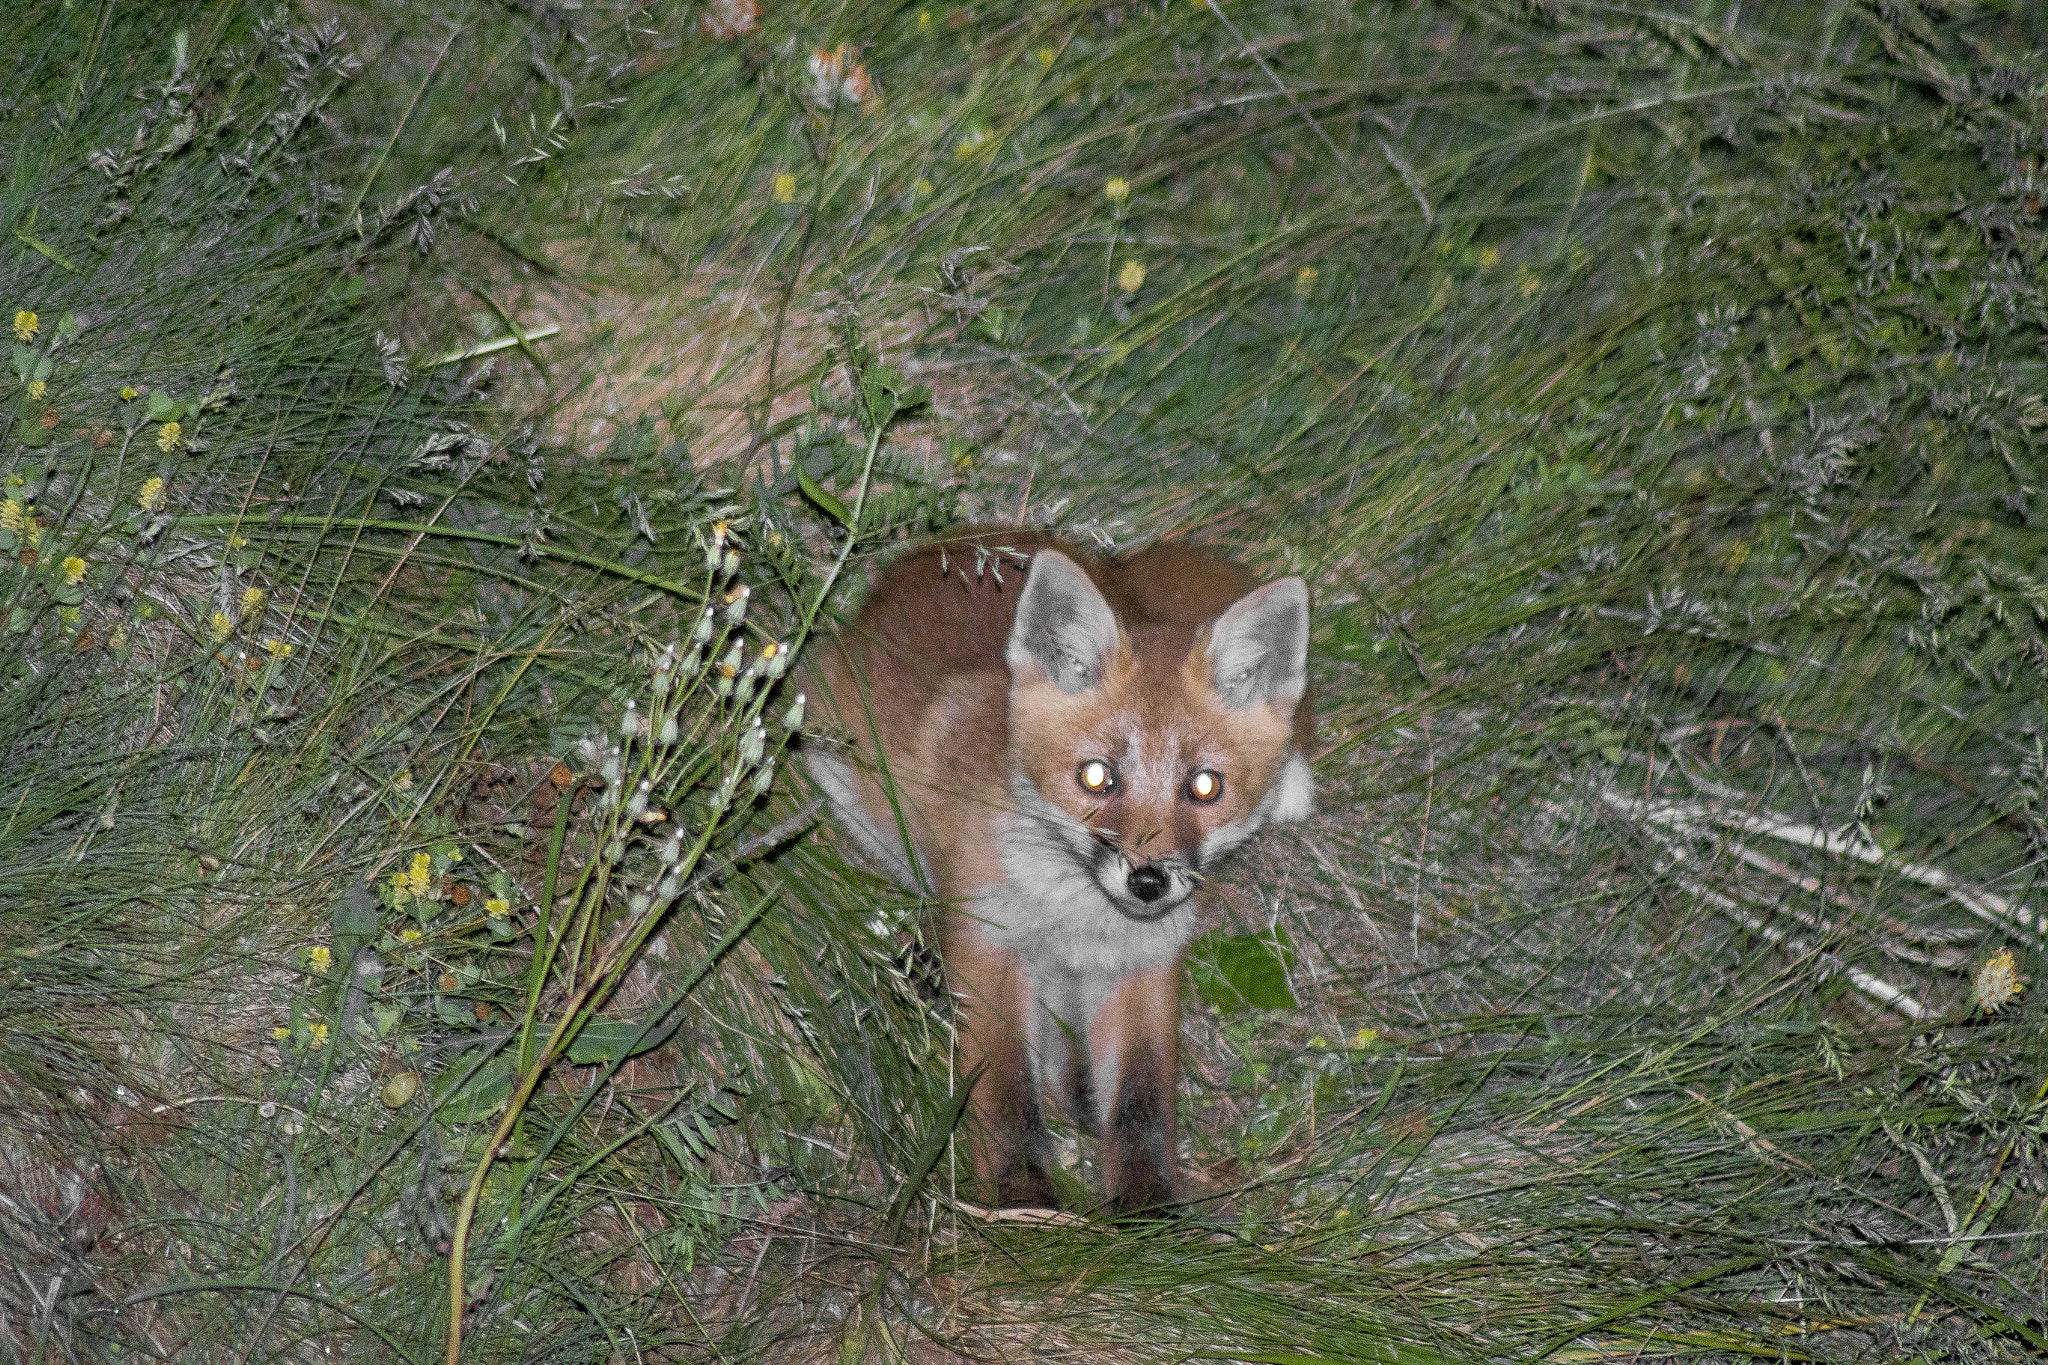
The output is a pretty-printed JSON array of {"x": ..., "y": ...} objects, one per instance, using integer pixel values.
[
  {"x": 457, "y": 1100},
  {"x": 355, "y": 915},
  {"x": 68, "y": 594},
  {"x": 607, "y": 1040},
  {"x": 817, "y": 493},
  {"x": 1239, "y": 971},
  {"x": 163, "y": 407},
  {"x": 44, "y": 248},
  {"x": 878, "y": 386}
]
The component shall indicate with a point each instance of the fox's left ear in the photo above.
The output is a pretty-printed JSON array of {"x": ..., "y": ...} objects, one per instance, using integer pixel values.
[{"x": 1258, "y": 650}]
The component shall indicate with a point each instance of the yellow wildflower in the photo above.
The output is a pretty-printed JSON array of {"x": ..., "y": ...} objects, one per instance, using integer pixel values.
[
  {"x": 13, "y": 516},
  {"x": 222, "y": 627},
  {"x": 1305, "y": 281},
  {"x": 319, "y": 1039},
  {"x": 924, "y": 21},
  {"x": 237, "y": 542},
  {"x": 128, "y": 394},
  {"x": 278, "y": 649},
  {"x": 150, "y": 497},
  {"x": 36, "y": 389},
  {"x": 319, "y": 958},
  {"x": 785, "y": 188},
  {"x": 971, "y": 145},
  {"x": 403, "y": 782},
  {"x": 1489, "y": 258},
  {"x": 26, "y": 325},
  {"x": 1116, "y": 189},
  {"x": 421, "y": 874},
  {"x": 1047, "y": 56},
  {"x": 1999, "y": 982},
  {"x": 1531, "y": 282},
  {"x": 280, "y": 1033},
  {"x": 252, "y": 602},
  {"x": 74, "y": 569},
  {"x": 167, "y": 437},
  {"x": 497, "y": 907},
  {"x": 1365, "y": 1037},
  {"x": 1131, "y": 278},
  {"x": 923, "y": 186},
  {"x": 408, "y": 936}
]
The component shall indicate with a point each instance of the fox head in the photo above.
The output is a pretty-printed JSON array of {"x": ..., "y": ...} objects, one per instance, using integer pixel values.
[{"x": 1145, "y": 751}]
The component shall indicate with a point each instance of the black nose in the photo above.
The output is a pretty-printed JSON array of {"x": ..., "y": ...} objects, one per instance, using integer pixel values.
[{"x": 1147, "y": 883}]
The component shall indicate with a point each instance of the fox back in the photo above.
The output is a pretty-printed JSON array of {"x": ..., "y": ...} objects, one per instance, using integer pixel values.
[{"x": 1059, "y": 746}]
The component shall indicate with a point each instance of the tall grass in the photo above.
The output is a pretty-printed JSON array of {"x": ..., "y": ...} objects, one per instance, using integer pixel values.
[{"x": 1651, "y": 395}]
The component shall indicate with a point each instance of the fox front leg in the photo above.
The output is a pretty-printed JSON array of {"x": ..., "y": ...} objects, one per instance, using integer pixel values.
[
  {"x": 994, "y": 1004},
  {"x": 1134, "y": 1049}
]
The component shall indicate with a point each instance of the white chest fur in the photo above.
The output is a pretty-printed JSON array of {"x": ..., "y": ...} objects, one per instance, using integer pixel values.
[{"x": 1049, "y": 908}]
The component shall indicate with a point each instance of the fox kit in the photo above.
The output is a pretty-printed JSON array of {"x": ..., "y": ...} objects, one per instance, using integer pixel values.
[{"x": 1059, "y": 746}]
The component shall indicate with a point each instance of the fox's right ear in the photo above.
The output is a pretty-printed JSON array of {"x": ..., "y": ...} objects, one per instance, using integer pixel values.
[
  {"x": 1259, "y": 648},
  {"x": 1064, "y": 626}
]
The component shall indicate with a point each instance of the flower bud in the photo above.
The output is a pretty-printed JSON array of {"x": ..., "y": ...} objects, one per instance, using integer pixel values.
[
  {"x": 665, "y": 889},
  {"x": 732, "y": 561},
  {"x": 639, "y": 903},
  {"x": 692, "y": 661},
  {"x": 611, "y": 770},
  {"x": 615, "y": 850},
  {"x": 752, "y": 744},
  {"x": 636, "y": 804},
  {"x": 778, "y": 662},
  {"x": 764, "y": 778},
  {"x": 702, "y": 634},
  {"x": 794, "y": 716},
  {"x": 672, "y": 849},
  {"x": 666, "y": 734},
  {"x": 736, "y": 604},
  {"x": 629, "y": 724}
]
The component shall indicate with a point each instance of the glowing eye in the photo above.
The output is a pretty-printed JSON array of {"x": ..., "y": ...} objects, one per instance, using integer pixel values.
[
  {"x": 1205, "y": 786},
  {"x": 1097, "y": 776}
]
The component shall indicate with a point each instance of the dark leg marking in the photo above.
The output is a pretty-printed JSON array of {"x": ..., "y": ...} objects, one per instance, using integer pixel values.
[{"x": 1141, "y": 1136}]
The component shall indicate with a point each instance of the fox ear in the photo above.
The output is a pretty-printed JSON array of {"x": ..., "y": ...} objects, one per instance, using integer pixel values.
[
  {"x": 1258, "y": 650},
  {"x": 1064, "y": 626}
]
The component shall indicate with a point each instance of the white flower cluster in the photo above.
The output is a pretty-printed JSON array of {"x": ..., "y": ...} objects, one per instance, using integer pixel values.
[{"x": 695, "y": 707}]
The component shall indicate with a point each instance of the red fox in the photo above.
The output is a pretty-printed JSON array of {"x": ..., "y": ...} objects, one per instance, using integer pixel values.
[{"x": 1059, "y": 746}]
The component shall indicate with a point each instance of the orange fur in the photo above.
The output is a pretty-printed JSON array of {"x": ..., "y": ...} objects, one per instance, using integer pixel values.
[{"x": 965, "y": 733}]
